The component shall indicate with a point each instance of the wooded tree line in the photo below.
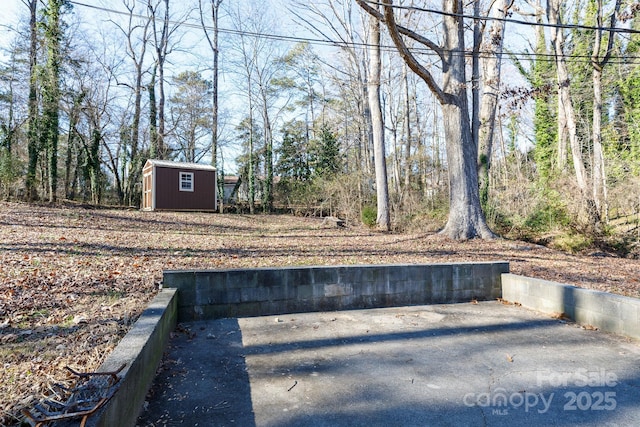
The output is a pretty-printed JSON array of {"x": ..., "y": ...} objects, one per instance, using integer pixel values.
[{"x": 393, "y": 112}]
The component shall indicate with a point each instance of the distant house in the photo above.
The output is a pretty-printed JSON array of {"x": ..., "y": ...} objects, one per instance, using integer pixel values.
[
  {"x": 236, "y": 189},
  {"x": 231, "y": 188},
  {"x": 178, "y": 186}
]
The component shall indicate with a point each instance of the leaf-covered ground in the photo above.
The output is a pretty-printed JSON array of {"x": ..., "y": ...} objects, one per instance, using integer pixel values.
[{"x": 73, "y": 280}]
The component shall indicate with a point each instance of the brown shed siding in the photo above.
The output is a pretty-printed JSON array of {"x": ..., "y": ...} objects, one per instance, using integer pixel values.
[
  {"x": 161, "y": 186},
  {"x": 169, "y": 196}
]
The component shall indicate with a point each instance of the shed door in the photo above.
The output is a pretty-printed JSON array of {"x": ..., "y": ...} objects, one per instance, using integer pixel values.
[{"x": 147, "y": 190}]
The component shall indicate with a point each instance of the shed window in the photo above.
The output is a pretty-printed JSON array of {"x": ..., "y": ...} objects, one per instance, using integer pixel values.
[{"x": 186, "y": 181}]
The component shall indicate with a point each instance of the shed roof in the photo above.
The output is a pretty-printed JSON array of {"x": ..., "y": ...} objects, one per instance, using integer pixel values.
[
  {"x": 230, "y": 179},
  {"x": 180, "y": 165}
]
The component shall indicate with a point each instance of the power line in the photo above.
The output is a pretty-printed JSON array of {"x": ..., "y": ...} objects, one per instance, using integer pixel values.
[
  {"x": 509, "y": 20},
  {"x": 524, "y": 56},
  {"x": 221, "y": 30}
]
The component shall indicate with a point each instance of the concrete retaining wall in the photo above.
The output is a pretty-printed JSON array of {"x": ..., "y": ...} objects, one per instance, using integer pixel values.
[
  {"x": 608, "y": 312},
  {"x": 263, "y": 291},
  {"x": 141, "y": 350}
]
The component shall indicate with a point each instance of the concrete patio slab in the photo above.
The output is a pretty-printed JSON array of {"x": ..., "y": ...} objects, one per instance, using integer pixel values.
[{"x": 457, "y": 364}]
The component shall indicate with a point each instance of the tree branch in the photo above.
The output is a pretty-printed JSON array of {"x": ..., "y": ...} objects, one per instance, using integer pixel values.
[
  {"x": 612, "y": 24},
  {"x": 402, "y": 30},
  {"x": 407, "y": 56}
]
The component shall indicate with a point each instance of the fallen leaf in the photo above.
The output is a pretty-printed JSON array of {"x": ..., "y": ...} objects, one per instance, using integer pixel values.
[
  {"x": 559, "y": 316},
  {"x": 5, "y": 339},
  {"x": 79, "y": 319}
]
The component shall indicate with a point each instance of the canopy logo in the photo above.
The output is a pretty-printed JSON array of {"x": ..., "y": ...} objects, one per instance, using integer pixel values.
[{"x": 501, "y": 402}]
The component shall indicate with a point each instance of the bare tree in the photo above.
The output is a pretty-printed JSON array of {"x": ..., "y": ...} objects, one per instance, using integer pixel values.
[
  {"x": 93, "y": 140},
  {"x": 466, "y": 219},
  {"x": 247, "y": 59},
  {"x": 490, "y": 57},
  {"x": 407, "y": 128},
  {"x": 160, "y": 40},
  {"x": 137, "y": 37},
  {"x": 338, "y": 21},
  {"x": 163, "y": 47},
  {"x": 262, "y": 67},
  {"x": 383, "y": 221},
  {"x": 599, "y": 175},
  {"x": 212, "y": 40},
  {"x": 32, "y": 135}
]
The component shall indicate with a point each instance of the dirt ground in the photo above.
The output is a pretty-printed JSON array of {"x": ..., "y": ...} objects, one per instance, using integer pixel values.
[{"x": 73, "y": 279}]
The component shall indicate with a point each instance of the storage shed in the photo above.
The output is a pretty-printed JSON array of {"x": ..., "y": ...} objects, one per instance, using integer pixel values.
[{"x": 178, "y": 186}]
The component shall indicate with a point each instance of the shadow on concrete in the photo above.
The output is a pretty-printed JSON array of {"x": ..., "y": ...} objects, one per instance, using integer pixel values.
[
  {"x": 567, "y": 408},
  {"x": 202, "y": 379},
  {"x": 566, "y": 402},
  {"x": 435, "y": 374},
  {"x": 550, "y": 406},
  {"x": 397, "y": 336}
]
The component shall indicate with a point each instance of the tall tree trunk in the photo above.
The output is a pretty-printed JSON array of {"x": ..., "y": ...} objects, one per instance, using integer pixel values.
[
  {"x": 69, "y": 158},
  {"x": 72, "y": 143},
  {"x": 367, "y": 129},
  {"x": 478, "y": 27},
  {"x": 161, "y": 46},
  {"x": 466, "y": 219},
  {"x": 215, "y": 15},
  {"x": 566, "y": 113},
  {"x": 213, "y": 45},
  {"x": 161, "y": 95},
  {"x": 383, "y": 221},
  {"x": 33, "y": 144},
  {"x": 491, "y": 67},
  {"x": 117, "y": 180},
  {"x": 134, "y": 172},
  {"x": 93, "y": 165},
  {"x": 267, "y": 191},
  {"x": 251, "y": 166},
  {"x": 154, "y": 151},
  {"x": 135, "y": 165},
  {"x": 407, "y": 129},
  {"x": 599, "y": 174},
  {"x": 561, "y": 134},
  {"x": 51, "y": 91}
]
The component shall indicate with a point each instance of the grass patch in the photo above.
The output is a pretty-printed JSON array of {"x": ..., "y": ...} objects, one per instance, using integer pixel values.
[{"x": 572, "y": 242}]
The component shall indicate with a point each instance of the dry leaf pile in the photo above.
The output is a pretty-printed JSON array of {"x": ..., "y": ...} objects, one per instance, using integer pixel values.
[{"x": 73, "y": 280}]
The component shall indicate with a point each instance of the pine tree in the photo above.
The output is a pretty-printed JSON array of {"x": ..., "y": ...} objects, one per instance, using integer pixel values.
[
  {"x": 293, "y": 157},
  {"x": 328, "y": 154}
]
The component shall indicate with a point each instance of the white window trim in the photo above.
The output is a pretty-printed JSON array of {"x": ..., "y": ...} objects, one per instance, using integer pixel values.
[{"x": 181, "y": 181}]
